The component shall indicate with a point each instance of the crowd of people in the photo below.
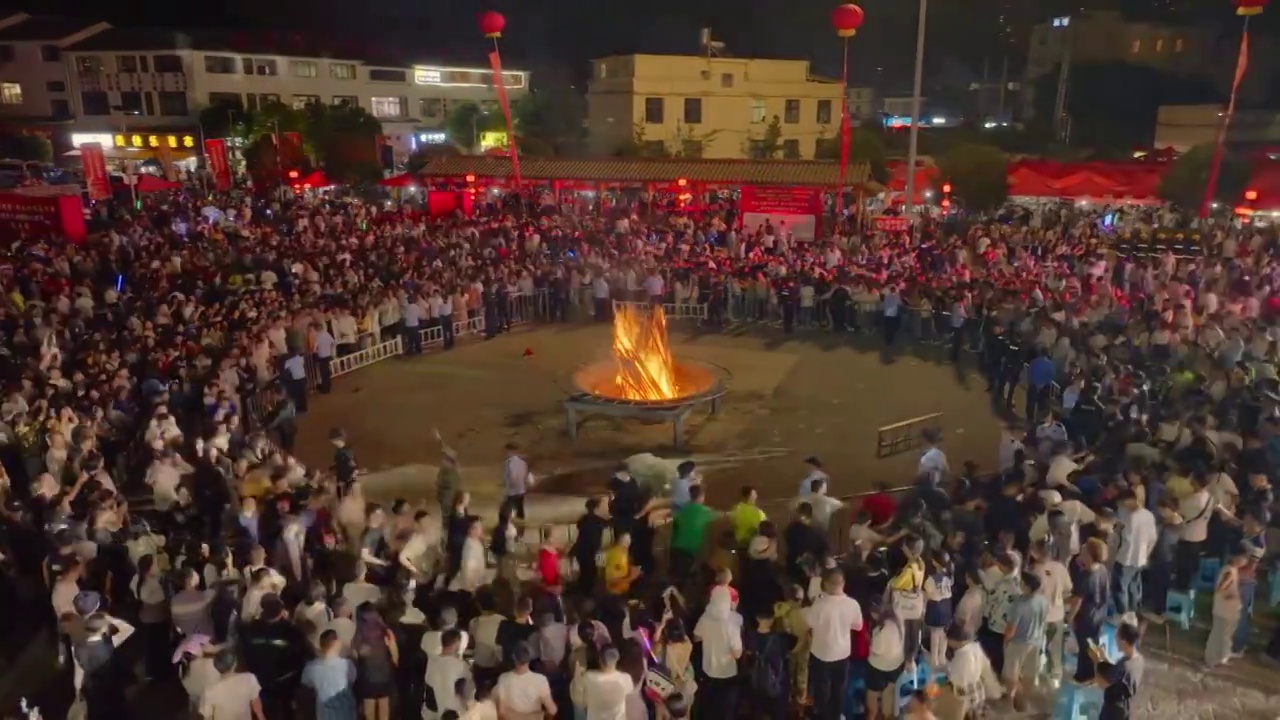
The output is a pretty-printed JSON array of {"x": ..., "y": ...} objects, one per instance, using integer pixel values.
[{"x": 144, "y": 495}]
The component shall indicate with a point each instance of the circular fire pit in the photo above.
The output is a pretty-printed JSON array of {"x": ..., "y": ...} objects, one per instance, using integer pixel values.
[{"x": 695, "y": 382}]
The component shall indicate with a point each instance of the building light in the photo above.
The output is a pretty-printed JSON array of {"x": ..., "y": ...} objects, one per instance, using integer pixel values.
[
  {"x": 946, "y": 187},
  {"x": 682, "y": 182},
  {"x": 477, "y": 77},
  {"x": 432, "y": 138},
  {"x": 470, "y": 178},
  {"x": 103, "y": 139},
  {"x": 1251, "y": 195}
]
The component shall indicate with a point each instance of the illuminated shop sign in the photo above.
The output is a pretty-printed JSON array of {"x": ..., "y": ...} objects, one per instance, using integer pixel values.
[
  {"x": 153, "y": 141},
  {"x": 464, "y": 77}
]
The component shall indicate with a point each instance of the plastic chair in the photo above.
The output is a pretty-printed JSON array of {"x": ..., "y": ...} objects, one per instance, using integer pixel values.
[
  {"x": 1077, "y": 702},
  {"x": 1207, "y": 575},
  {"x": 855, "y": 697},
  {"x": 907, "y": 685},
  {"x": 1180, "y": 608}
]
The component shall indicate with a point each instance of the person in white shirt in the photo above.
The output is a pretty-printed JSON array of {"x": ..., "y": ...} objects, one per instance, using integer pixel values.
[
  {"x": 1055, "y": 585},
  {"x": 484, "y": 632},
  {"x": 1076, "y": 513},
  {"x": 235, "y": 694},
  {"x": 971, "y": 681},
  {"x": 343, "y": 623},
  {"x": 1138, "y": 537},
  {"x": 433, "y": 640},
  {"x": 606, "y": 689},
  {"x": 832, "y": 618},
  {"x": 720, "y": 630},
  {"x": 884, "y": 662},
  {"x": 260, "y": 586},
  {"x": 1192, "y": 518},
  {"x": 360, "y": 591},
  {"x": 471, "y": 571},
  {"x": 933, "y": 462},
  {"x": 444, "y": 670},
  {"x": 823, "y": 505},
  {"x": 815, "y": 473},
  {"x": 522, "y": 694}
]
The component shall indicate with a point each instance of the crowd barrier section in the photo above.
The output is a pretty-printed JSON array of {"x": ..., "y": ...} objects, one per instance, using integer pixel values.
[
  {"x": 903, "y": 436},
  {"x": 673, "y": 311}
]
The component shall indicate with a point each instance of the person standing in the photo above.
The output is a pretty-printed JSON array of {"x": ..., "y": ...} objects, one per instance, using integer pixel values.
[
  {"x": 720, "y": 630},
  {"x": 1088, "y": 609},
  {"x": 1121, "y": 679},
  {"x": 1227, "y": 608},
  {"x": 411, "y": 317},
  {"x": 234, "y": 694},
  {"x": 515, "y": 480},
  {"x": 1138, "y": 537},
  {"x": 322, "y": 347},
  {"x": 1040, "y": 376},
  {"x": 522, "y": 694},
  {"x": 345, "y": 467},
  {"x": 332, "y": 678},
  {"x": 1055, "y": 585},
  {"x": 587, "y": 545},
  {"x": 444, "y": 316},
  {"x": 294, "y": 378},
  {"x": 283, "y": 420},
  {"x": 832, "y": 619},
  {"x": 1024, "y": 636},
  {"x": 448, "y": 477},
  {"x": 605, "y": 690},
  {"x": 689, "y": 533},
  {"x": 891, "y": 307},
  {"x": 444, "y": 671},
  {"x": 101, "y": 676}
]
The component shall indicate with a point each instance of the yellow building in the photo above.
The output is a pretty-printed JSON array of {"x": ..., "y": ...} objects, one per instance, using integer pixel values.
[{"x": 711, "y": 107}]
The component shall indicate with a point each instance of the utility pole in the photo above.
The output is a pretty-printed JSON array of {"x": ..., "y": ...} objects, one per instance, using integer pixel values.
[
  {"x": 916, "y": 88},
  {"x": 1061, "y": 126}
]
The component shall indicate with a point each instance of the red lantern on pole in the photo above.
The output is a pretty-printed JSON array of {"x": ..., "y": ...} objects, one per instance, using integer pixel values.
[
  {"x": 1248, "y": 8},
  {"x": 847, "y": 18},
  {"x": 492, "y": 23}
]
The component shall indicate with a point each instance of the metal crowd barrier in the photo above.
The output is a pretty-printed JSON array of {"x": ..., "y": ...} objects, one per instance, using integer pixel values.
[
  {"x": 903, "y": 436},
  {"x": 673, "y": 311}
]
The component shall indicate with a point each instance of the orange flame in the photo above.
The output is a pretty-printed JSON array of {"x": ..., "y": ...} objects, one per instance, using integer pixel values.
[{"x": 646, "y": 370}]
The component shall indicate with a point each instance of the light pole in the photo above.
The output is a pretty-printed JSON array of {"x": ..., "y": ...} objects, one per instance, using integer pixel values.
[{"x": 917, "y": 82}]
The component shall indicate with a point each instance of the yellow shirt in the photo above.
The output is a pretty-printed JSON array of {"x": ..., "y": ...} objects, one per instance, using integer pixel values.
[
  {"x": 617, "y": 570},
  {"x": 746, "y": 518},
  {"x": 1179, "y": 487},
  {"x": 911, "y": 577}
]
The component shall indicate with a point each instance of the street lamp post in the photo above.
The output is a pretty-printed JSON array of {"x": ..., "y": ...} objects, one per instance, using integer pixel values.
[{"x": 917, "y": 83}]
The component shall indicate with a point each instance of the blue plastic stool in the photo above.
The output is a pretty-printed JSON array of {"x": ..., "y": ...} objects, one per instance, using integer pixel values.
[
  {"x": 1207, "y": 575},
  {"x": 1180, "y": 608},
  {"x": 855, "y": 696},
  {"x": 907, "y": 685},
  {"x": 1077, "y": 702}
]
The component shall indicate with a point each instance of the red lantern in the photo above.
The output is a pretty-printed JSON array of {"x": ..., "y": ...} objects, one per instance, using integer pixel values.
[
  {"x": 492, "y": 23},
  {"x": 1248, "y": 8},
  {"x": 847, "y": 18}
]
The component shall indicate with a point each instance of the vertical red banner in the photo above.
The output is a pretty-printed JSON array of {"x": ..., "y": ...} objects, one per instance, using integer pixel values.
[
  {"x": 495, "y": 61},
  {"x": 95, "y": 171},
  {"x": 215, "y": 154}
]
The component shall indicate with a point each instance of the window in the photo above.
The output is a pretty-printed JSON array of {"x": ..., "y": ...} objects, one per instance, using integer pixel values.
[
  {"x": 265, "y": 67},
  {"x": 1177, "y": 45},
  {"x": 755, "y": 149},
  {"x": 790, "y": 149},
  {"x": 758, "y": 110},
  {"x": 219, "y": 64},
  {"x": 88, "y": 64},
  {"x": 55, "y": 86},
  {"x": 143, "y": 64},
  {"x": 726, "y": 80},
  {"x": 258, "y": 101},
  {"x": 693, "y": 111},
  {"x": 432, "y": 107},
  {"x": 166, "y": 64},
  {"x": 342, "y": 71},
  {"x": 824, "y": 112},
  {"x": 384, "y": 75},
  {"x": 127, "y": 63},
  {"x": 173, "y": 104},
  {"x": 1136, "y": 47},
  {"x": 301, "y": 101},
  {"x": 50, "y": 53},
  {"x": 226, "y": 99},
  {"x": 304, "y": 68},
  {"x": 791, "y": 112},
  {"x": 1160, "y": 45},
  {"x": 387, "y": 107},
  {"x": 95, "y": 102},
  {"x": 6, "y": 53},
  {"x": 60, "y": 108},
  {"x": 346, "y": 101},
  {"x": 653, "y": 111},
  {"x": 131, "y": 103},
  {"x": 150, "y": 103},
  {"x": 10, "y": 93}
]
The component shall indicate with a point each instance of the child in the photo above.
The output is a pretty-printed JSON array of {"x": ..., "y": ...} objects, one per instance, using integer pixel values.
[{"x": 937, "y": 610}]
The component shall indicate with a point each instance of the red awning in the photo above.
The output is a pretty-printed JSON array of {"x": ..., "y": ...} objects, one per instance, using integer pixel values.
[{"x": 402, "y": 180}]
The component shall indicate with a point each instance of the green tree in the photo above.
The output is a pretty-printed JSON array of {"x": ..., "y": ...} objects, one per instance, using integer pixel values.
[
  {"x": 549, "y": 120},
  {"x": 866, "y": 144},
  {"x": 223, "y": 120},
  {"x": 344, "y": 141},
  {"x": 466, "y": 122},
  {"x": 641, "y": 146},
  {"x": 771, "y": 143},
  {"x": 26, "y": 146},
  {"x": 1185, "y": 181},
  {"x": 690, "y": 143},
  {"x": 979, "y": 174}
]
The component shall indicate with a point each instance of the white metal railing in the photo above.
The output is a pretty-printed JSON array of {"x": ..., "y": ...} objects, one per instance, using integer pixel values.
[{"x": 674, "y": 311}]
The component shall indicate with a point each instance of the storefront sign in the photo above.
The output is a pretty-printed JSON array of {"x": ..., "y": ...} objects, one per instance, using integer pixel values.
[
  {"x": 891, "y": 223},
  {"x": 790, "y": 211},
  {"x": 33, "y": 216},
  {"x": 95, "y": 171},
  {"x": 215, "y": 154},
  {"x": 153, "y": 141}
]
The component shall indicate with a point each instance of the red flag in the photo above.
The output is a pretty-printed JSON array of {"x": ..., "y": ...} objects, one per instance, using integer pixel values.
[
  {"x": 215, "y": 154},
  {"x": 495, "y": 61},
  {"x": 95, "y": 171},
  {"x": 1211, "y": 187}
]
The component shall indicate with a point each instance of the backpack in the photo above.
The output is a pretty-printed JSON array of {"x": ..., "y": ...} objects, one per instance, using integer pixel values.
[{"x": 769, "y": 669}]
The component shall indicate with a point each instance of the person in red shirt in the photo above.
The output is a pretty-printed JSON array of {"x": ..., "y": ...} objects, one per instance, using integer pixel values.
[{"x": 880, "y": 505}]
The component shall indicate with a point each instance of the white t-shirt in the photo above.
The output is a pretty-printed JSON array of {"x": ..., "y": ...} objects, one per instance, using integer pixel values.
[
  {"x": 201, "y": 675},
  {"x": 1060, "y": 469},
  {"x": 443, "y": 674},
  {"x": 934, "y": 464},
  {"x": 1195, "y": 511},
  {"x": 888, "y": 645},
  {"x": 721, "y": 644},
  {"x": 606, "y": 693},
  {"x": 230, "y": 698},
  {"x": 522, "y": 692},
  {"x": 833, "y": 618}
]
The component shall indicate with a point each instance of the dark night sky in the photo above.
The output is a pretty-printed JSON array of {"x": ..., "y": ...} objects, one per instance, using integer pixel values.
[{"x": 561, "y": 35}]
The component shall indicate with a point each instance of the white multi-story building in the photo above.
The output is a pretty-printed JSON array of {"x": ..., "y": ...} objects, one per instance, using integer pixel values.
[
  {"x": 34, "y": 82},
  {"x": 145, "y": 87}
]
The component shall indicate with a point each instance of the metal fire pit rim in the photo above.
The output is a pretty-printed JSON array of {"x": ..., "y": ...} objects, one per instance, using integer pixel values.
[{"x": 720, "y": 385}]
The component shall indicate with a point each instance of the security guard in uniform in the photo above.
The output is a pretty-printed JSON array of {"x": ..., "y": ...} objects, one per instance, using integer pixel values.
[{"x": 1011, "y": 361}]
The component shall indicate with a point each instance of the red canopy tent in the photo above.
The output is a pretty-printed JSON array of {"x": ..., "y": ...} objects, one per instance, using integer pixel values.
[
  {"x": 316, "y": 179},
  {"x": 1265, "y": 181},
  {"x": 148, "y": 183},
  {"x": 403, "y": 180}
]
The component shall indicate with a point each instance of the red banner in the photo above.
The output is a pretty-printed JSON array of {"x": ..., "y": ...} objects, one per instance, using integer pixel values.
[
  {"x": 1215, "y": 163},
  {"x": 891, "y": 223},
  {"x": 215, "y": 156},
  {"x": 35, "y": 215},
  {"x": 495, "y": 61},
  {"x": 95, "y": 171},
  {"x": 781, "y": 200}
]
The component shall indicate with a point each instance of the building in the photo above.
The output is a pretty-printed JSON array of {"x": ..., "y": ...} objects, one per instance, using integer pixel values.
[
  {"x": 34, "y": 83},
  {"x": 1185, "y": 126},
  {"x": 862, "y": 102},
  {"x": 708, "y": 106},
  {"x": 145, "y": 89},
  {"x": 900, "y": 106},
  {"x": 1099, "y": 37}
]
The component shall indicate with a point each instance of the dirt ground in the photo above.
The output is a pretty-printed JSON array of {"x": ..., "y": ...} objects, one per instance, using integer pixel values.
[{"x": 789, "y": 397}]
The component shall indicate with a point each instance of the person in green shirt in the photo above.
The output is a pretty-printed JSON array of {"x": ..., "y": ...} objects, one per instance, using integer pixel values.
[
  {"x": 688, "y": 533},
  {"x": 746, "y": 516}
]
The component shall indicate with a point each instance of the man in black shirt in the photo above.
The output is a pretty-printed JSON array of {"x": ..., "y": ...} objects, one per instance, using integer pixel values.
[
  {"x": 590, "y": 540},
  {"x": 802, "y": 538},
  {"x": 344, "y": 461},
  {"x": 1120, "y": 680},
  {"x": 275, "y": 651}
]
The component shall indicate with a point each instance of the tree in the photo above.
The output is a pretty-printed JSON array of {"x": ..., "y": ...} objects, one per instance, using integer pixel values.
[
  {"x": 223, "y": 119},
  {"x": 865, "y": 145},
  {"x": 979, "y": 174},
  {"x": 689, "y": 143},
  {"x": 26, "y": 146},
  {"x": 771, "y": 143},
  {"x": 467, "y": 121},
  {"x": 641, "y": 146},
  {"x": 1185, "y": 181},
  {"x": 344, "y": 141},
  {"x": 549, "y": 120}
]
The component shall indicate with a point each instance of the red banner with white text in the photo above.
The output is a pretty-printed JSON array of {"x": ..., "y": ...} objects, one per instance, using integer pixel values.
[
  {"x": 34, "y": 216},
  {"x": 215, "y": 155},
  {"x": 95, "y": 171},
  {"x": 791, "y": 211}
]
